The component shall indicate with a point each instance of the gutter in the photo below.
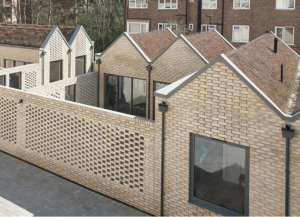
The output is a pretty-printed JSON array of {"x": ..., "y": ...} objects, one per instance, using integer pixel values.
[
  {"x": 287, "y": 133},
  {"x": 163, "y": 107},
  {"x": 149, "y": 69}
]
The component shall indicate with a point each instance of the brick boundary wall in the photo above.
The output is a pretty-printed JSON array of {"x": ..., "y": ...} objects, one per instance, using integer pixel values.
[
  {"x": 108, "y": 152},
  {"x": 86, "y": 88}
]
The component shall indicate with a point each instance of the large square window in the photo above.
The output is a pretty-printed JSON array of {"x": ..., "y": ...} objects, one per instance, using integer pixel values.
[
  {"x": 126, "y": 95},
  {"x": 163, "y": 26},
  {"x": 286, "y": 34},
  {"x": 55, "y": 71},
  {"x": 219, "y": 175},
  {"x": 207, "y": 28},
  {"x": 70, "y": 93},
  {"x": 285, "y": 4},
  {"x": 80, "y": 65},
  {"x": 167, "y": 4},
  {"x": 209, "y": 4},
  {"x": 15, "y": 80}
]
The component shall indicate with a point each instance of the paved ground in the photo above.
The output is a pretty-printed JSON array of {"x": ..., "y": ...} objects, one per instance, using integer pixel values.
[{"x": 28, "y": 190}]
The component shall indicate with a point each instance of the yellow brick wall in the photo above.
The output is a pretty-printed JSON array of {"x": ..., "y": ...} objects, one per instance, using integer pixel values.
[
  {"x": 18, "y": 53},
  {"x": 177, "y": 62},
  {"x": 218, "y": 104},
  {"x": 109, "y": 152}
]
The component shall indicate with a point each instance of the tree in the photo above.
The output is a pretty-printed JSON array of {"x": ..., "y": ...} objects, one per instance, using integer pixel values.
[
  {"x": 2, "y": 14},
  {"x": 178, "y": 27}
]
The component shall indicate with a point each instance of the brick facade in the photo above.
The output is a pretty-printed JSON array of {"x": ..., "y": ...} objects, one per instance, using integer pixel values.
[{"x": 261, "y": 17}]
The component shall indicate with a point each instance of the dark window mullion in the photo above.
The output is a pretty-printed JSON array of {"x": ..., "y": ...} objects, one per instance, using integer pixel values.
[{"x": 131, "y": 96}]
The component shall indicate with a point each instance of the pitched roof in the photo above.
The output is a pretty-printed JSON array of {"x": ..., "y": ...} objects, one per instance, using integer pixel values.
[
  {"x": 258, "y": 61},
  {"x": 29, "y": 35},
  {"x": 154, "y": 42},
  {"x": 210, "y": 44}
]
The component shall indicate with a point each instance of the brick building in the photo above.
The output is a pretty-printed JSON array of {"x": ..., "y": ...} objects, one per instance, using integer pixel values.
[
  {"x": 10, "y": 9},
  {"x": 239, "y": 21}
]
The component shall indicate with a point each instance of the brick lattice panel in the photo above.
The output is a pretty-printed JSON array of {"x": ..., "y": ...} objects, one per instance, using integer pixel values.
[
  {"x": 103, "y": 150},
  {"x": 8, "y": 120},
  {"x": 80, "y": 44},
  {"x": 30, "y": 79},
  {"x": 56, "y": 47}
]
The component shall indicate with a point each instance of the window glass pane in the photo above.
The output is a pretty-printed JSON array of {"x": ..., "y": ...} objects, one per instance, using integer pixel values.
[
  {"x": 80, "y": 65},
  {"x": 160, "y": 26},
  {"x": 219, "y": 173},
  {"x": 2, "y": 80},
  {"x": 290, "y": 3},
  {"x": 289, "y": 35},
  {"x": 145, "y": 3},
  {"x": 161, "y": 3},
  {"x": 236, "y": 34},
  {"x": 134, "y": 28},
  {"x": 15, "y": 80},
  {"x": 138, "y": 3},
  {"x": 55, "y": 71},
  {"x": 279, "y": 3},
  {"x": 139, "y": 97},
  {"x": 205, "y": 4},
  {"x": 111, "y": 92},
  {"x": 132, "y": 3},
  {"x": 279, "y": 33},
  {"x": 174, "y": 5},
  {"x": 70, "y": 93},
  {"x": 213, "y": 3},
  {"x": 125, "y": 95},
  {"x": 245, "y": 4},
  {"x": 143, "y": 28},
  {"x": 244, "y": 33},
  {"x": 168, "y": 4},
  {"x": 237, "y": 3},
  {"x": 204, "y": 28}
]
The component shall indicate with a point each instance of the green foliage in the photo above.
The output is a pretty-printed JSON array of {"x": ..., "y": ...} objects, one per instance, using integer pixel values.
[{"x": 178, "y": 27}]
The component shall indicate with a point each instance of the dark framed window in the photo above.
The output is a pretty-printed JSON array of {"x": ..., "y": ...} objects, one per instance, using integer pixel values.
[
  {"x": 15, "y": 80},
  {"x": 126, "y": 95},
  {"x": 3, "y": 80},
  {"x": 70, "y": 93},
  {"x": 80, "y": 65},
  {"x": 157, "y": 85},
  {"x": 13, "y": 63},
  {"x": 219, "y": 176},
  {"x": 55, "y": 71}
]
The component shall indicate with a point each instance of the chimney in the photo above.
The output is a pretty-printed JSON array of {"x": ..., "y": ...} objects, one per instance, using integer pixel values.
[{"x": 276, "y": 45}]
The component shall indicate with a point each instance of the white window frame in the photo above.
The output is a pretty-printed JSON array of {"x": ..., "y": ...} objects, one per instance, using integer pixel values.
[
  {"x": 191, "y": 27},
  {"x": 241, "y": 34},
  {"x": 285, "y": 4},
  {"x": 141, "y": 23},
  {"x": 136, "y": 6},
  {"x": 209, "y": 6},
  {"x": 164, "y": 26},
  {"x": 165, "y": 6},
  {"x": 283, "y": 35},
  {"x": 207, "y": 27},
  {"x": 240, "y": 8}
]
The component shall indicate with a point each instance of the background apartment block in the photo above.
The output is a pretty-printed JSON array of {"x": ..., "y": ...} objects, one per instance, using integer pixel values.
[
  {"x": 239, "y": 21},
  {"x": 10, "y": 7}
]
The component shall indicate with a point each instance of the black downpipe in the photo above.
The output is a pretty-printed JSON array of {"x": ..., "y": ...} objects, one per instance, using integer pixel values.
[
  {"x": 163, "y": 107},
  {"x": 149, "y": 69},
  {"x": 98, "y": 87},
  {"x": 223, "y": 11},
  {"x": 199, "y": 15},
  {"x": 287, "y": 133},
  {"x": 186, "y": 12},
  {"x": 281, "y": 73}
]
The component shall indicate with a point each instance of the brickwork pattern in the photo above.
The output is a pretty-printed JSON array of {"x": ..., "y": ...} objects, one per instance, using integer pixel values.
[
  {"x": 261, "y": 17},
  {"x": 29, "y": 75},
  {"x": 18, "y": 53},
  {"x": 86, "y": 89},
  {"x": 109, "y": 152},
  {"x": 8, "y": 119},
  {"x": 219, "y": 105}
]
